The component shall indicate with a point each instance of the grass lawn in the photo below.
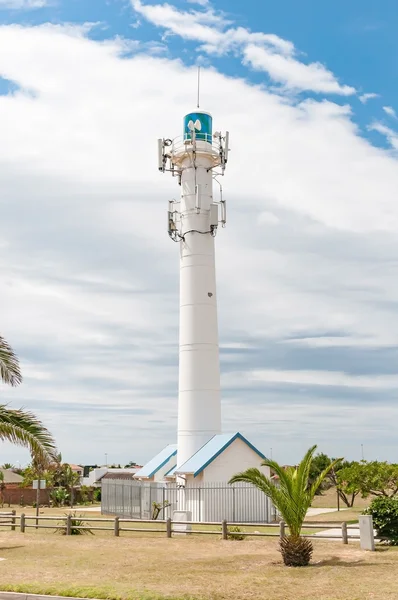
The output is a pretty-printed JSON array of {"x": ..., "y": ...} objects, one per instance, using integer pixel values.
[
  {"x": 200, "y": 568},
  {"x": 329, "y": 500},
  {"x": 336, "y": 517}
]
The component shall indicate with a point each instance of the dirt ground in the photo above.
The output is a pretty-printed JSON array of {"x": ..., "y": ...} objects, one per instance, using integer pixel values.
[{"x": 200, "y": 568}]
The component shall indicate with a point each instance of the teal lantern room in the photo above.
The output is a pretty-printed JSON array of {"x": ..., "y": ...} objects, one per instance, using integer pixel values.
[{"x": 201, "y": 123}]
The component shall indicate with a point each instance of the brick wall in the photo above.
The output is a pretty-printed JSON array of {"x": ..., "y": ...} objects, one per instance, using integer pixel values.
[{"x": 24, "y": 496}]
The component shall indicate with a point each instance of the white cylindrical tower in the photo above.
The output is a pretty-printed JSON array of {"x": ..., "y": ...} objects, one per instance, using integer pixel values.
[{"x": 193, "y": 222}]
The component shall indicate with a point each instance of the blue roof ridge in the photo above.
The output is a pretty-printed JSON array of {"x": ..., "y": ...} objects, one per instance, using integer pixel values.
[
  {"x": 157, "y": 462},
  {"x": 196, "y": 470}
]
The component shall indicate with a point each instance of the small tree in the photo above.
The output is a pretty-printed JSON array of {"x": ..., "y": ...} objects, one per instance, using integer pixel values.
[
  {"x": 369, "y": 478},
  {"x": 320, "y": 462},
  {"x": 292, "y": 497},
  {"x": 37, "y": 471},
  {"x": 158, "y": 507},
  {"x": 59, "y": 496}
]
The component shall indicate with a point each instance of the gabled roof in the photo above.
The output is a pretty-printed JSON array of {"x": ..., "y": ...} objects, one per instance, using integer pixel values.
[
  {"x": 205, "y": 455},
  {"x": 11, "y": 477},
  {"x": 159, "y": 461},
  {"x": 119, "y": 475}
]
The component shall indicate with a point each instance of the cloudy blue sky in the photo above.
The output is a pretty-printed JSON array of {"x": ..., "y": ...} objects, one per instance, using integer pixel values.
[{"x": 307, "y": 267}]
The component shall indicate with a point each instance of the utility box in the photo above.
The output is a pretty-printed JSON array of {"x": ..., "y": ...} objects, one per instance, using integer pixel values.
[
  {"x": 182, "y": 515},
  {"x": 214, "y": 215},
  {"x": 39, "y": 484},
  {"x": 366, "y": 532}
]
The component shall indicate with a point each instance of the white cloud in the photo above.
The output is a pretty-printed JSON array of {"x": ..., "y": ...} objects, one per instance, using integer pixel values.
[
  {"x": 266, "y": 52},
  {"x": 292, "y": 73},
  {"x": 199, "y": 2},
  {"x": 365, "y": 97},
  {"x": 89, "y": 287},
  {"x": 23, "y": 4},
  {"x": 324, "y": 378},
  {"x": 390, "y": 111},
  {"x": 390, "y": 134}
]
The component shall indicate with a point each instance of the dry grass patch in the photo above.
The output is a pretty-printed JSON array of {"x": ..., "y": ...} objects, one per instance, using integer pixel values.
[
  {"x": 187, "y": 567},
  {"x": 328, "y": 499},
  {"x": 336, "y": 517}
]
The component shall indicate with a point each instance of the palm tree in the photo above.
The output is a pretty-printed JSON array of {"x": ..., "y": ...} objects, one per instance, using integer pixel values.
[
  {"x": 19, "y": 426},
  {"x": 72, "y": 480},
  {"x": 9, "y": 364},
  {"x": 8, "y": 466},
  {"x": 292, "y": 496}
]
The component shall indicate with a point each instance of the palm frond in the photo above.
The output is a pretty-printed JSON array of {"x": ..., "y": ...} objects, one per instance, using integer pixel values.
[
  {"x": 292, "y": 495},
  {"x": 303, "y": 469},
  {"x": 321, "y": 476},
  {"x": 283, "y": 474},
  {"x": 25, "y": 429},
  {"x": 278, "y": 495},
  {"x": 9, "y": 365}
]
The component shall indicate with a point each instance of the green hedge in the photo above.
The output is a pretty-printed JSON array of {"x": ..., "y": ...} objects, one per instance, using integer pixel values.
[{"x": 384, "y": 512}]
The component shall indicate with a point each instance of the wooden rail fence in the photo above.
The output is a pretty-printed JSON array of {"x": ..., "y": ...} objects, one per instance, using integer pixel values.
[{"x": 118, "y": 525}]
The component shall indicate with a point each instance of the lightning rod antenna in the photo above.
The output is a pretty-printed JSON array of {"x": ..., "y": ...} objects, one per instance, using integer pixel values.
[{"x": 198, "y": 86}]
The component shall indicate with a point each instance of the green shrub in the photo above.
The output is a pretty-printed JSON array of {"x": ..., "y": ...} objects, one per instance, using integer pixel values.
[
  {"x": 384, "y": 512},
  {"x": 235, "y": 533},
  {"x": 77, "y": 521},
  {"x": 59, "y": 496},
  {"x": 97, "y": 495}
]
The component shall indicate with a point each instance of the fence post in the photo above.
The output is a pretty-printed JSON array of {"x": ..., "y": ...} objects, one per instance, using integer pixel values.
[
  {"x": 23, "y": 523},
  {"x": 224, "y": 530},
  {"x": 200, "y": 505},
  {"x": 282, "y": 529},
  {"x": 13, "y": 521},
  {"x": 168, "y": 528},
  {"x": 117, "y": 527},
  {"x": 69, "y": 525},
  {"x": 344, "y": 533}
]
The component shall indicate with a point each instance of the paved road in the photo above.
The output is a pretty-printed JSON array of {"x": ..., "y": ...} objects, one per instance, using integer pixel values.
[
  {"x": 85, "y": 508},
  {"x": 312, "y": 512}
]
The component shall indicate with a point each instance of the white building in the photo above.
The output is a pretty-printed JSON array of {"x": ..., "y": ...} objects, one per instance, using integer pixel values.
[{"x": 218, "y": 460}]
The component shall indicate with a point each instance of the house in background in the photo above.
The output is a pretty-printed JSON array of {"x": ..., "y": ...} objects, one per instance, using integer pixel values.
[
  {"x": 96, "y": 475},
  {"x": 13, "y": 493},
  {"x": 78, "y": 469},
  {"x": 11, "y": 479}
]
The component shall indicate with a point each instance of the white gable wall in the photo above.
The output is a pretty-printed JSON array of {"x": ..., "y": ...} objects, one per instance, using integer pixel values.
[
  {"x": 159, "y": 475},
  {"x": 234, "y": 459}
]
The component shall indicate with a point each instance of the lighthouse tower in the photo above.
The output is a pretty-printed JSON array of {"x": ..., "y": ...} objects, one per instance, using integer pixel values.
[
  {"x": 196, "y": 158},
  {"x": 203, "y": 454}
]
